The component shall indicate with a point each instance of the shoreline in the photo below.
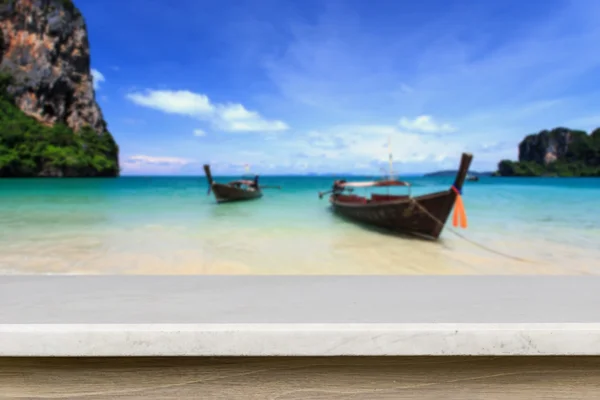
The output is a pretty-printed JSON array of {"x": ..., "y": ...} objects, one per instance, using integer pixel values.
[
  {"x": 170, "y": 226},
  {"x": 184, "y": 251}
]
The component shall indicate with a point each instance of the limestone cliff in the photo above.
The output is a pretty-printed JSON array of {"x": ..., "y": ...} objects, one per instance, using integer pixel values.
[
  {"x": 547, "y": 146},
  {"x": 44, "y": 48},
  {"x": 558, "y": 152}
]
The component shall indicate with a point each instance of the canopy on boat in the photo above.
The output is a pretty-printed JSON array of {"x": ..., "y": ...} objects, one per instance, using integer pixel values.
[
  {"x": 383, "y": 183},
  {"x": 242, "y": 182}
]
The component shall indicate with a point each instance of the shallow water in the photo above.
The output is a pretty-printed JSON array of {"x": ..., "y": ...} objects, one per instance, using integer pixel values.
[{"x": 168, "y": 225}]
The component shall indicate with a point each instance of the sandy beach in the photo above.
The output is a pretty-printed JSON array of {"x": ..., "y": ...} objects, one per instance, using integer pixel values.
[{"x": 128, "y": 226}]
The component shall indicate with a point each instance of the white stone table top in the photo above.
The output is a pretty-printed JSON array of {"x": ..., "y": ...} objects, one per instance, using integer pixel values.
[{"x": 298, "y": 315}]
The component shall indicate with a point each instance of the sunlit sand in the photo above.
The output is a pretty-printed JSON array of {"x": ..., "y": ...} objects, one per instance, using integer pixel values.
[{"x": 155, "y": 249}]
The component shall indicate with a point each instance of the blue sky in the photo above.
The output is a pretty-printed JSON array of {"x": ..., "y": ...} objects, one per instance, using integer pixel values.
[{"x": 319, "y": 86}]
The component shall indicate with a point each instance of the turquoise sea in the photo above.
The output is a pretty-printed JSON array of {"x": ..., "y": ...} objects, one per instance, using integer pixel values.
[{"x": 168, "y": 225}]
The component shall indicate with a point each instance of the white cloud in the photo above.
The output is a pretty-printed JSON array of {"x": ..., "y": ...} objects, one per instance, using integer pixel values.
[
  {"x": 349, "y": 147},
  {"x": 199, "y": 132},
  {"x": 140, "y": 164},
  {"x": 180, "y": 102},
  {"x": 358, "y": 148},
  {"x": 360, "y": 144},
  {"x": 229, "y": 117},
  {"x": 97, "y": 78},
  {"x": 425, "y": 124},
  {"x": 236, "y": 118},
  {"x": 142, "y": 159}
]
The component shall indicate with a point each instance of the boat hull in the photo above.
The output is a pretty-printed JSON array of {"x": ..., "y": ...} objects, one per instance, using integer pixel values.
[
  {"x": 225, "y": 193},
  {"x": 424, "y": 216}
]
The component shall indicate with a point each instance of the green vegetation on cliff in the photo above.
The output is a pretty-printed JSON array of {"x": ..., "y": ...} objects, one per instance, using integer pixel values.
[
  {"x": 29, "y": 148},
  {"x": 560, "y": 152}
]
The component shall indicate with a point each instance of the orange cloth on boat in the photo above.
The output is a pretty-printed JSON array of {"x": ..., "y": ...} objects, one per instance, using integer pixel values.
[{"x": 459, "y": 216}]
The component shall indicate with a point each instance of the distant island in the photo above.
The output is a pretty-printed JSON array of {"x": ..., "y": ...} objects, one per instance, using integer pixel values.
[
  {"x": 50, "y": 123},
  {"x": 453, "y": 172},
  {"x": 560, "y": 152}
]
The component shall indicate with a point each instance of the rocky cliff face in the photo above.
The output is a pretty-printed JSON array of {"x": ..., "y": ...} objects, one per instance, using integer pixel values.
[
  {"x": 546, "y": 147},
  {"x": 44, "y": 46},
  {"x": 558, "y": 152}
]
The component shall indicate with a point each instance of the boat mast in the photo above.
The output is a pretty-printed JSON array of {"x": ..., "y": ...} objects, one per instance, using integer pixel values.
[{"x": 391, "y": 170}]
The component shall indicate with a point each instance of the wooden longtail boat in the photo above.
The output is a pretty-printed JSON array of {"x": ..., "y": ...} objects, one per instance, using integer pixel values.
[
  {"x": 237, "y": 190},
  {"x": 423, "y": 216}
]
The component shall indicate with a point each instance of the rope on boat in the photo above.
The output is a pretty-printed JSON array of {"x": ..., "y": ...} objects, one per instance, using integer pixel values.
[{"x": 484, "y": 247}]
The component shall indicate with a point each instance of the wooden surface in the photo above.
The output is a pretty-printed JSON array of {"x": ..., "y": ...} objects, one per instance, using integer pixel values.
[{"x": 302, "y": 378}]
